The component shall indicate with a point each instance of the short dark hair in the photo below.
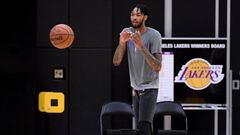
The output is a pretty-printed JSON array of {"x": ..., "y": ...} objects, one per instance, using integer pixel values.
[{"x": 143, "y": 8}]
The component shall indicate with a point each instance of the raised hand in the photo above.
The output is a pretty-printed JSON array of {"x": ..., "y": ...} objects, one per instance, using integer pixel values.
[
  {"x": 125, "y": 35},
  {"x": 136, "y": 37}
]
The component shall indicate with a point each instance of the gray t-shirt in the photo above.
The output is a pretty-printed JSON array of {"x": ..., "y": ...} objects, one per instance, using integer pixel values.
[{"x": 141, "y": 74}]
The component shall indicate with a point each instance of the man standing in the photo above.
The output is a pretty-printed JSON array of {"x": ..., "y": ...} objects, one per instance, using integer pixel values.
[{"x": 143, "y": 45}]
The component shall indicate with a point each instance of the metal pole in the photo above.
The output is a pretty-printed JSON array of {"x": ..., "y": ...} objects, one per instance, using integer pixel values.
[
  {"x": 168, "y": 33},
  {"x": 216, "y": 18},
  {"x": 230, "y": 104},
  {"x": 215, "y": 121},
  {"x": 168, "y": 18},
  {"x": 229, "y": 97},
  {"x": 216, "y": 36}
]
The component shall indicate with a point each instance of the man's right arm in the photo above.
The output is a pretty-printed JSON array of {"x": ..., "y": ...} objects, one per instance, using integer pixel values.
[
  {"x": 121, "y": 49},
  {"x": 119, "y": 53}
]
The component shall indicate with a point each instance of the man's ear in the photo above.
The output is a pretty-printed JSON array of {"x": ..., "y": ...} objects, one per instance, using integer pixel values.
[{"x": 145, "y": 17}]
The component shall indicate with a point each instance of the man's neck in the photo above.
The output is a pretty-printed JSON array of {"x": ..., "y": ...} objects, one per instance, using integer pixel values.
[{"x": 141, "y": 29}]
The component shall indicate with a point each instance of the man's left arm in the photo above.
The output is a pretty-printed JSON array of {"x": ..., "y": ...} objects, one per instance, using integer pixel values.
[{"x": 153, "y": 60}]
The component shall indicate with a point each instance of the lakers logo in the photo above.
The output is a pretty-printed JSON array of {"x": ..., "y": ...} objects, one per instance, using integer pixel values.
[{"x": 198, "y": 74}]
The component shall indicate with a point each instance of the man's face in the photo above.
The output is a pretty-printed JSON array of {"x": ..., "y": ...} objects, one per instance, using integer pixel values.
[{"x": 137, "y": 18}]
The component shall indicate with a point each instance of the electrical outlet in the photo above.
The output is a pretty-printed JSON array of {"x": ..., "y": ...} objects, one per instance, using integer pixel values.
[
  {"x": 58, "y": 73},
  {"x": 236, "y": 80},
  {"x": 236, "y": 84}
]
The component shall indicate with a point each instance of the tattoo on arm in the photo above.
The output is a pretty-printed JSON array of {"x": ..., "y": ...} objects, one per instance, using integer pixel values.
[
  {"x": 154, "y": 61},
  {"x": 119, "y": 53}
]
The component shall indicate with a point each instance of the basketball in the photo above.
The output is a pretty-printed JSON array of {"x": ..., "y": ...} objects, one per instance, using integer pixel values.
[{"x": 61, "y": 36}]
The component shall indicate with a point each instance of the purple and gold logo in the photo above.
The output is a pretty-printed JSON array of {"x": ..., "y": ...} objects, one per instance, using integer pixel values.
[{"x": 198, "y": 74}]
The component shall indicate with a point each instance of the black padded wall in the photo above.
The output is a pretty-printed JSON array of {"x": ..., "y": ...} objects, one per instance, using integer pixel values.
[
  {"x": 47, "y": 60},
  {"x": 91, "y": 21},
  {"x": 18, "y": 97},
  {"x": 90, "y": 85},
  {"x": 235, "y": 34},
  {"x": 87, "y": 64},
  {"x": 193, "y": 18},
  {"x": 50, "y": 13},
  {"x": 235, "y": 66}
]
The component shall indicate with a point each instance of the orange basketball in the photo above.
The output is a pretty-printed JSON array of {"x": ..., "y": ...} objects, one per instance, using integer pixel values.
[{"x": 61, "y": 36}]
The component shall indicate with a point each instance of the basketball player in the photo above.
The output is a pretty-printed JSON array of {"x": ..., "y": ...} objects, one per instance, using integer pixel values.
[{"x": 144, "y": 59}]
